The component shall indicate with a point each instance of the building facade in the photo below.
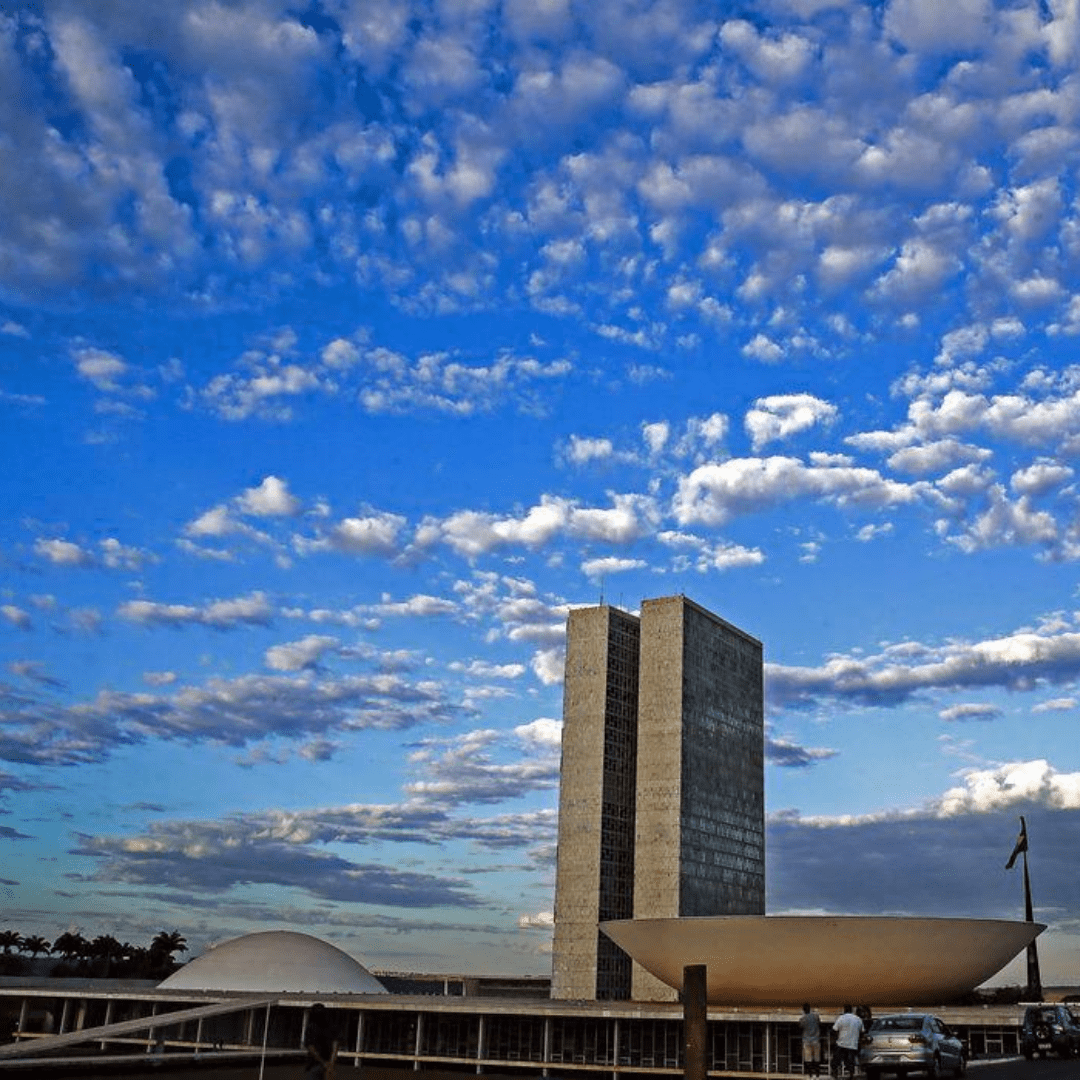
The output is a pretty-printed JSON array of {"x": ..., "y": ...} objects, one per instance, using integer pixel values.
[
  {"x": 661, "y": 809},
  {"x": 143, "y": 1032},
  {"x": 595, "y": 877}
]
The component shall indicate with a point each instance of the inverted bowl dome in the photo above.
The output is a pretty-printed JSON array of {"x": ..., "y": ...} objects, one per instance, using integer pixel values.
[
  {"x": 276, "y": 960},
  {"x": 789, "y": 959}
]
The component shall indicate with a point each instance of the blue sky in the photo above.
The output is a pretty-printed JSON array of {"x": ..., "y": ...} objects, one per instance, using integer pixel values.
[{"x": 345, "y": 346}]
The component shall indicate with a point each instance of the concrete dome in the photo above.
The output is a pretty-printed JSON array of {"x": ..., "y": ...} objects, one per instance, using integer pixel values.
[{"x": 276, "y": 960}]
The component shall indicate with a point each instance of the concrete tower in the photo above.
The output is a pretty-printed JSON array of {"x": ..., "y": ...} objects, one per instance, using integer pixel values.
[
  {"x": 661, "y": 805},
  {"x": 700, "y": 808},
  {"x": 595, "y": 875}
]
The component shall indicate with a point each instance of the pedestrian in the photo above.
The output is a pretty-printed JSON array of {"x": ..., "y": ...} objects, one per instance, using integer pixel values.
[
  {"x": 320, "y": 1044},
  {"x": 810, "y": 1028},
  {"x": 848, "y": 1028}
]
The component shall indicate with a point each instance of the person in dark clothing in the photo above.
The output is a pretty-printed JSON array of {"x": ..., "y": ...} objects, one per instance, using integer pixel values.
[
  {"x": 810, "y": 1029},
  {"x": 320, "y": 1044}
]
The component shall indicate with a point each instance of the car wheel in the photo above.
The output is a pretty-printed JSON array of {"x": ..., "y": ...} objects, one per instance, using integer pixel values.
[{"x": 872, "y": 1073}]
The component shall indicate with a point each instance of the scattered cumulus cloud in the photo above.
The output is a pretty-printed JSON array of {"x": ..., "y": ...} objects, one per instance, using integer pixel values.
[
  {"x": 1018, "y": 661},
  {"x": 783, "y": 415},
  {"x": 253, "y": 609}
]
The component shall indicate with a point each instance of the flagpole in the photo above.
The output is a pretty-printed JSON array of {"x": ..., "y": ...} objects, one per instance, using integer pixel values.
[{"x": 1034, "y": 979}]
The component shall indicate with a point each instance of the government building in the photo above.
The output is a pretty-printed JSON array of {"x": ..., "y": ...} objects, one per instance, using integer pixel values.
[
  {"x": 661, "y": 816},
  {"x": 662, "y": 792}
]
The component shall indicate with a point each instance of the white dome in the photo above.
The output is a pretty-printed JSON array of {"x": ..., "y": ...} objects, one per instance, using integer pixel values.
[{"x": 276, "y": 960}]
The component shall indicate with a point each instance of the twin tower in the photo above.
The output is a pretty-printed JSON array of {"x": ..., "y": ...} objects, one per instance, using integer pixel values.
[{"x": 662, "y": 800}]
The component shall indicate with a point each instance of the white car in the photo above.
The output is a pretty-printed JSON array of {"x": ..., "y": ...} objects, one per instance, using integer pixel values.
[{"x": 911, "y": 1042}]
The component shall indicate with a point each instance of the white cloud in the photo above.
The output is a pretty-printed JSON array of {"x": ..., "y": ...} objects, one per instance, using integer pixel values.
[
  {"x": 920, "y": 268},
  {"x": 1019, "y": 661},
  {"x": 420, "y": 605},
  {"x": 935, "y": 456},
  {"x": 466, "y": 769},
  {"x": 656, "y": 436},
  {"x": 471, "y": 533},
  {"x": 235, "y": 712},
  {"x": 1064, "y": 704},
  {"x": 540, "y": 920},
  {"x": 253, "y": 609},
  {"x": 1040, "y": 477},
  {"x": 340, "y": 353},
  {"x": 374, "y": 534},
  {"x": 783, "y": 415},
  {"x": 301, "y": 655},
  {"x": 1006, "y": 523},
  {"x": 693, "y": 552},
  {"x": 18, "y": 618},
  {"x": 773, "y": 59},
  {"x": 482, "y": 669},
  {"x": 267, "y": 392},
  {"x": 713, "y": 494},
  {"x": 970, "y": 711},
  {"x": 215, "y": 522},
  {"x": 583, "y": 450},
  {"x": 63, "y": 552},
  {"x": 548, "y": 666},
  {"x": 872, "y": 532},
  {"x": 101, "y": 368},
  {"x": 763, "y": 348},
  {"x": 270, "y": 499},
  {"x": 446, "y": 383},
  {"x": 1014, "y": 784},
  {"x": 598, "y": 569},
  {"x": 543, "y": 734},
  {"x": 118, "y": 556}
]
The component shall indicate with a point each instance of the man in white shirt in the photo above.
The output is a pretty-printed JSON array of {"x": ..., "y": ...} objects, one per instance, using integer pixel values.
[{"x": 848, "y": 1031}]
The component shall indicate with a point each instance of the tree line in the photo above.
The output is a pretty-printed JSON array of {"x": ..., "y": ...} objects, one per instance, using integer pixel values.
[{"x": 102, "y": 957}]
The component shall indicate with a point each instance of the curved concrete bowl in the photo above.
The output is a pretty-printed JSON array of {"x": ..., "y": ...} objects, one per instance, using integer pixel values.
[{"x": 789, "y": 959}]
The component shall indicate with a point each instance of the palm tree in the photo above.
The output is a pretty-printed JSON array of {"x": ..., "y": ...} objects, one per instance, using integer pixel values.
[
  {"x": 105, "y": 948},
  {"x": 136, "y": 962},
  {"x": 71, "y": 945},
  {"x": 162, "y": 948},
  {"x": 10, "y": 965},
  {"x": 34, "y": 944}
]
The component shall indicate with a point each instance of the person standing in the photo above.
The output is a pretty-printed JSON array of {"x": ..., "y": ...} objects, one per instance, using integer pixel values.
[
  {"x": 810, "y": 1029},
  {"x": 848, "y": 1028},
  {"x": 320, "y": 1044}
]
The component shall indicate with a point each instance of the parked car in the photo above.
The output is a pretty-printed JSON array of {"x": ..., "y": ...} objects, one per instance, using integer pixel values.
[
  {"x": 911, "y": 1042},
  {"x": 1049, "y": 1029}
]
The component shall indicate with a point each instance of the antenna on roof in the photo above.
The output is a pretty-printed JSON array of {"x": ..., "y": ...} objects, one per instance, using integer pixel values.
[{"x": 601, "y": 591}]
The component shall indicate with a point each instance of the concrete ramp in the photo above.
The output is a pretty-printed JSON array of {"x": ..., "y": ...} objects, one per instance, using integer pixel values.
[{"x": 47, "y": 1043}]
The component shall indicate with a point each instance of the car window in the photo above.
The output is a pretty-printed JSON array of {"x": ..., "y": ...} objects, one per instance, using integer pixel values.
[{"x": 897, "y": 1023}]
